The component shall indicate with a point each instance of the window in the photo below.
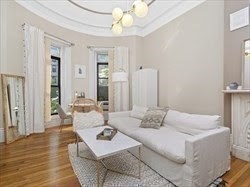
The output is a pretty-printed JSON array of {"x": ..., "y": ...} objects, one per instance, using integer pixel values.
[
  {"x": 102, "y": 77},
  {"x": 55, "y": 80}
]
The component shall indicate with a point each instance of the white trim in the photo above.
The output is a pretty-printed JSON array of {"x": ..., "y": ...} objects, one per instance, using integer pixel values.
[
  {"x": 241, "y": 152},
  {"x": 39, "y": 9},
  {"x": 2, "y": 137}
]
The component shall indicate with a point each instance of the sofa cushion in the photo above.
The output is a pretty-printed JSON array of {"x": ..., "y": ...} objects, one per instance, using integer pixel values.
[
  {"x": 138, "y": 112},
  {"x": 166, "y": 141},
  {"x": 191, "y": 123},
  {"x": 153, "y": 119},
  {"x": 125, "y": 124}
]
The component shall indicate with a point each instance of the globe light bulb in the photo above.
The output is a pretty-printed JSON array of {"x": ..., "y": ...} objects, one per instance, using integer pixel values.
[
  {"x": 117, "y": 14},
  {"x": 140, "y": 8},
  {"x": 127, "y": 20},
  {"x": 117, "y": 28}
]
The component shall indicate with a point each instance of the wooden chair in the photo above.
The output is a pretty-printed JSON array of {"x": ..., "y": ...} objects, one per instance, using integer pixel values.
[
  {"x": 85, "y": 117},
  {"x": 85, "y": 105}
]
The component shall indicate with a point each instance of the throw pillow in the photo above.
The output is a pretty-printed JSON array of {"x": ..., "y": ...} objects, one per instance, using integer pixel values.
[
  {"x": 138, "y": 112},
  {"x": 153, "y": 118},
  {"x": 191, "y": 123}
]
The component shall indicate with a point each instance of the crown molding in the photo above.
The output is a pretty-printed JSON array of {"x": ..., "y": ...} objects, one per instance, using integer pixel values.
[{"x": 99, "y": 30}]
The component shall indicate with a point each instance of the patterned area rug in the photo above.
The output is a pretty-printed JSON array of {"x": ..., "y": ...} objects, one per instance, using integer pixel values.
[{"x": 85, "y": 170}]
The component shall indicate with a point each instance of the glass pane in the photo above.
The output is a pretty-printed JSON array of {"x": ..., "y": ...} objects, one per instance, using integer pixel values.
[
  {"x": 54, "y": 72},
  {"x": 103, "y": 82},
  {"x": 103, "y": 71},
  {"x": 102, "y": 58},
  {"x": 54, "y": 99},
  {"x": 55, "y": 51},
  {"x": 103, "y": 93}
]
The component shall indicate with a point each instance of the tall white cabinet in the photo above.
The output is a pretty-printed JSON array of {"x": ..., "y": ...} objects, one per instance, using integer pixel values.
[{"x": 145, "y": 87}]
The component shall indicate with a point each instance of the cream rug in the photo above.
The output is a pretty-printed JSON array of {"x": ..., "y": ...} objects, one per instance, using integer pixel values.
[{"x": 85, "y": 170}]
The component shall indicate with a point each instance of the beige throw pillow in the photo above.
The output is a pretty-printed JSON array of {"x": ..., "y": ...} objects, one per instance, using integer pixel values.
[{"x": 153, "y": 118}]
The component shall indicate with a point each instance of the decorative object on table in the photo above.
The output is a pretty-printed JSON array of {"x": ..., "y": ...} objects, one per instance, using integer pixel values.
[
  {"x": 106, "y": 134},
  {"x": 80, "y": 71},
  {"x": 83, "y": 168},
  {"x": 233, "y": 85},
  {"x": 81, "y": 95}
]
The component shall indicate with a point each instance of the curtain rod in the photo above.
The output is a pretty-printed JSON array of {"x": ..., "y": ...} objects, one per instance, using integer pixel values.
[
  {"x": 89, "y": 47},
  {"x": 55, "y": 37}
]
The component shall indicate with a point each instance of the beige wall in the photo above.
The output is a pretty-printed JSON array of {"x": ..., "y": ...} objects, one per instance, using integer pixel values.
[
  {"x": 17, "y": 15},
  {"x": 233, "y": 41},
  {"x": 188, "y": 52}
]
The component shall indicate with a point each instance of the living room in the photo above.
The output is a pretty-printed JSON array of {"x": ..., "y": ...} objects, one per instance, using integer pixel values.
[{"x": 190, "y": 43}]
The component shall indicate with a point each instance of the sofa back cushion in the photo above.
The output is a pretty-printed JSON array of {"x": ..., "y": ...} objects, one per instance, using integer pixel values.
[
  {"x": 138, "y": 112},
  {"x": 191, "y": 123}
]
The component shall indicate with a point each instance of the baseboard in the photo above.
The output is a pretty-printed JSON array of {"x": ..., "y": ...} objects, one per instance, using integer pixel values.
[
  {"x": 241, "y": 153},
  {"x": 2, "y": 138}
]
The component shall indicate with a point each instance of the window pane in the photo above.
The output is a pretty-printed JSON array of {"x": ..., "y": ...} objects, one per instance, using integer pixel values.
[
  {"x": 102, "y": 58},
  {"x": 55, "y": 51},
  {"x": 103, "y": 92},
  {"x": 54, "y": 72},
  {"x": 103, "y": 71},
  {"x": 54, "y": 99}
]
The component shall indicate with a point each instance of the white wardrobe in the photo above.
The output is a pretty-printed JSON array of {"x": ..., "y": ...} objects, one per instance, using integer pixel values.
[{"x": 145, "y": 87}]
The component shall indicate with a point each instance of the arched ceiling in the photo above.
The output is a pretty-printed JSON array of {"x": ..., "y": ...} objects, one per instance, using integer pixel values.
[{"x": 70, "y": 14}]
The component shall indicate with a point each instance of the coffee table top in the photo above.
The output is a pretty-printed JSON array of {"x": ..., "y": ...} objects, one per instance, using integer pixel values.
[{"x": 103, "y": 148}]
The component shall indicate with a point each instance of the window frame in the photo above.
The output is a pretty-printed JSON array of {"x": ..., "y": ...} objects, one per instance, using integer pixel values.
[
  {"x": 59, "y": 80},
  {"x": 98, "y": 78}
]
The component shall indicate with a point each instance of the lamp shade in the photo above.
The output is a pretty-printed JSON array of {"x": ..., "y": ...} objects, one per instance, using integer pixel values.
[
  {"x": 117, "y": 28},
  {"x": 140, "y": 8},
  {"x": 119, "y": 77},
  {"x": 127, "y": 20},
  {"x": 117, "y": 13}
]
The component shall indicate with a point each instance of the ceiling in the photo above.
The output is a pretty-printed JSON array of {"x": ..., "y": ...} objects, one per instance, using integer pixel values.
[{"x": 71, "y": 16}]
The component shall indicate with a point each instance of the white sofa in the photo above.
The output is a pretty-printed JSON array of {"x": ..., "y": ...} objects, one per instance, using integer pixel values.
[{"x": 182, "y": 151}]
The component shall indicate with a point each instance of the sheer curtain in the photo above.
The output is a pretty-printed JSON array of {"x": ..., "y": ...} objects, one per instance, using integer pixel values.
[
  {"x": 120, "y": 90},
  {"x": 66, "y": 86},
  {"x": 47, "y": 104},
  {"x": 34, "y": 70}
]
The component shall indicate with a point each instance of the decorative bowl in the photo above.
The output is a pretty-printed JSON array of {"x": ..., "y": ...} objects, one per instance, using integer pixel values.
[{"x": 233, "y": 85}]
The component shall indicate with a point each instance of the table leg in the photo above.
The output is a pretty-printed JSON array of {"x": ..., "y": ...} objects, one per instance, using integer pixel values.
[
  {"x": 97, "y": 173},
  {"x": 77, "y": 146},
  {"x": 139, "y": 162}
]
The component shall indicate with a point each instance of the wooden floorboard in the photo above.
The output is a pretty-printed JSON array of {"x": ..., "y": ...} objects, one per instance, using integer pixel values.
[{"x": 42, "y": 160}]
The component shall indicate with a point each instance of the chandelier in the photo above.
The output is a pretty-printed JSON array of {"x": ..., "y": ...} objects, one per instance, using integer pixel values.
[{"x": 125, "y": 19}]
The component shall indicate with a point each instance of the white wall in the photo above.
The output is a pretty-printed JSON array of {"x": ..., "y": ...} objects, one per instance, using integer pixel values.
[{"x": 188, "y": 52}]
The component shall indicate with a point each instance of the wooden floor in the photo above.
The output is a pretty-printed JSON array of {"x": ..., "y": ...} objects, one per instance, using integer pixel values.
[{"x": 42, "y": 160}]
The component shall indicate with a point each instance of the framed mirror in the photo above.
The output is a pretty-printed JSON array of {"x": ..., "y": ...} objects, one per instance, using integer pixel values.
[
  {"x": 246, "y": 65},
  {"x": 13, "y": 107}
]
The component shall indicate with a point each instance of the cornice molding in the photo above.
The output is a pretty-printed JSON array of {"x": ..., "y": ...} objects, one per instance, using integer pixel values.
[{"x": 99, "y": 30}]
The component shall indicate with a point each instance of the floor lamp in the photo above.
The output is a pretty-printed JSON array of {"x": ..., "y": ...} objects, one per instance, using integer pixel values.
[{"x": 119, "y": 78}]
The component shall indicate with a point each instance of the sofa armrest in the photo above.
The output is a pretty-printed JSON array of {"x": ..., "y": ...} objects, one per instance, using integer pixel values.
[
  {"x": 119, "y": 114},
  {"x": 208, "y": 155}
]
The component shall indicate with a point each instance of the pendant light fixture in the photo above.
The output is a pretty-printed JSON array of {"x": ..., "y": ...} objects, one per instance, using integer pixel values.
[{"x": 139, "y": 7}]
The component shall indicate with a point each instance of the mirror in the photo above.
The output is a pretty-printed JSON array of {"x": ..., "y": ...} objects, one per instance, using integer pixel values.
[
  {"x": 246, "y": 65},
  {"x": 13, "y": 107}
]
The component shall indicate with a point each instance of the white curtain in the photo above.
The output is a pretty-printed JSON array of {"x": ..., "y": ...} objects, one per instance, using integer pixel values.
[
  {"x": 47, "y": 91},
  {"x": 121, "y": 89},
  {"x": 34, "y": 70},
  {"x": 66, "y": 87}
]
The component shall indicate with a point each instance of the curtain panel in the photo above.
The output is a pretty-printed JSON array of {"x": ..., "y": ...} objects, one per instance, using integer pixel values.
[
  {"x": 34, "y": 70},
  {"x": 121, "y": 89}
]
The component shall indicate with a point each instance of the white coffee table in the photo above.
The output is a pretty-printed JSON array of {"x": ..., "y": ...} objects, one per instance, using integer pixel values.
[{"x": 102, "y": 148}]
